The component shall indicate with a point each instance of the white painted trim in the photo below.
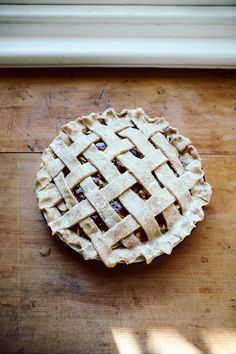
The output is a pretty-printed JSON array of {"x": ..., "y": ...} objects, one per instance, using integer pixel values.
[
  {"x": 123, "y": 2},
  {"x": 157, "y": 36}
]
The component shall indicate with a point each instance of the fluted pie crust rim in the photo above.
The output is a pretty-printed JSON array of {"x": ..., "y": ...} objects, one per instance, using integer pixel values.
[{"x": 153, "y": 155}]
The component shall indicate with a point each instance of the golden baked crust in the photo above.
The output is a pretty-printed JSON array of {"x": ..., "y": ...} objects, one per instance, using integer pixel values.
[{"x": 121, "y": 187}]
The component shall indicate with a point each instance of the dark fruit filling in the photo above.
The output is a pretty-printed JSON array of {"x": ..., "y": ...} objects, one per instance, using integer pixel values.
[
  {"x": 99, "y": 222},
  {"x": 78, "y": 193},
  {"x": 161, "y": 222},
  {"x": 121, "y": 211},
  {"x": 176, "y": 204},
  {"x": 136, "y": 153},
  {"x": 138, "y": 188},
  {"x": 140, "y": 234},
  {"x": 82, "y": 159},
  {"x": 119, "y": 165},
  {"x": 86, "y": 131},
  {"x": 101, "y": 145},
  {"x": 142, "y": 194},
  {"x": 65, "y": 171},
  {"x": 99, "y": 180}
]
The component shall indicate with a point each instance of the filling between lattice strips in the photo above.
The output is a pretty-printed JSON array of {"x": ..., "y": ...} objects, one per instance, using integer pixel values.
[{"x": 116, "y": 204}]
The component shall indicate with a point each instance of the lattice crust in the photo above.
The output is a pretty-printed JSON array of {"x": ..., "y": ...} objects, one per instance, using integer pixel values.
[{"x": 121, "y": 187}]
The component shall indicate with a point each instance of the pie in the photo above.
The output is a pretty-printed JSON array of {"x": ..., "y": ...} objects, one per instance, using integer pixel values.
[{"x": 121, "y": 187}]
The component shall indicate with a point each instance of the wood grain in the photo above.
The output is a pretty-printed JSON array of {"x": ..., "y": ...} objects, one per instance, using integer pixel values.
[
  {"x": 35, "y": 103},
  {"x": 60, "y": 303}
]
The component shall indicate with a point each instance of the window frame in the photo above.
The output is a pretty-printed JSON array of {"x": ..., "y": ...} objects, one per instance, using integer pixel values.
[{"x": 145, "y": 36}]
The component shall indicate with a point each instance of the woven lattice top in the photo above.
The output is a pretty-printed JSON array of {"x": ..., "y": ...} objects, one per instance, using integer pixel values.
[{"x": 121, "y": 187}]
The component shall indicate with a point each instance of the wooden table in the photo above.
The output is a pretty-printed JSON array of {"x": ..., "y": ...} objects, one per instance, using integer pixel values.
[{"x": 58, "y": 303}]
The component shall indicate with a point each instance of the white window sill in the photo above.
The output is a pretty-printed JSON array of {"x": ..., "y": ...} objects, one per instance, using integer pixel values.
[{"x": 156, "y": 36}]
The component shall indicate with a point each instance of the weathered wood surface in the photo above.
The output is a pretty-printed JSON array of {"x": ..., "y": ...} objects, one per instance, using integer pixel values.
[
  {"x": 53, "y": 301},
  {"x": 34, "y": 104}
]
